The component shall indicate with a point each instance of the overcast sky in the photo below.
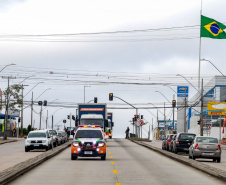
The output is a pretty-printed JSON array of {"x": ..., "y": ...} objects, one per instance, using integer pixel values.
[{"x": 40, "y": 36}]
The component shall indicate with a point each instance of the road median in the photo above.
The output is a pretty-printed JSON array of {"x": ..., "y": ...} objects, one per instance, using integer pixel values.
[
  {"x": 221, "y": 174},
  {"x": 13, "y": 172}
]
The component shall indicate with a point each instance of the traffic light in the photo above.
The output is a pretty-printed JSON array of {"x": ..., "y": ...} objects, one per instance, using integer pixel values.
[
  {"x": 198, "y": 122},
  {"x": 73, "y": 117},
  {"x": 18, "y": 120},
  {"x": 95, "y": 99},
  {"x": 141, "y": 117},
  {"x": 64, "y": 121},
  {"x": 68, "y": 116},
  {"x": 45, "y": 103},
  {"x": 40, "y": 103},
  {"x": 174, "y": 103},
  {"x": 111, "y": 96}
]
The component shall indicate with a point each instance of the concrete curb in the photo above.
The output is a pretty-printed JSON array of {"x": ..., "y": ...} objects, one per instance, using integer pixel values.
[
  {"x": 220, "y": 174},
  {"x": 19, "y": 169},
  {"x": 7, "y": 141}
]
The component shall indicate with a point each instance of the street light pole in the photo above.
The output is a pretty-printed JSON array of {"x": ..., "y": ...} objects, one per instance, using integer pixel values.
[{"x": 7, "y": 66}]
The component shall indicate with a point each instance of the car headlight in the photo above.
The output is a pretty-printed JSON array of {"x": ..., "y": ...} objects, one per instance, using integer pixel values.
[
  {"x": 28, "y": 141},
  {"x": 76, "y": 144},
  {"x": 43, "y": 141},
  {"x": 100, "y": 144}
]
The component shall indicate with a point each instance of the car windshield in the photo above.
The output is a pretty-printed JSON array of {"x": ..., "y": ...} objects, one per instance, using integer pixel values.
[
  {"x": 206, "y": 140},
  {"x": 187, "y": 136},
  {"x": 89, "y": 134},
  {"x": 59, "y": 134},
  {"x": 52, "y": 132},
  {"x": 36, "y": 134}
]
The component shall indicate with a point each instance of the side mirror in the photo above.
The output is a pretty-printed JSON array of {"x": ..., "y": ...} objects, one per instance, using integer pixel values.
[
  {"x": 112, "y": 124},
  {"x": 25, "y": 137},
  {"x": 48, "y": 136}
]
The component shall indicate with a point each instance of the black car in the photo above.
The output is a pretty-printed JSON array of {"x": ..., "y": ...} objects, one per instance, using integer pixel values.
[{"x": 183, "y": 142}]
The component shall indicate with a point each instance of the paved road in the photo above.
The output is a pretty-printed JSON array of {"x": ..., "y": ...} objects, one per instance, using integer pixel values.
[
  {"x": 127, "y": 163},
  {"x": 13, "y": 153}
]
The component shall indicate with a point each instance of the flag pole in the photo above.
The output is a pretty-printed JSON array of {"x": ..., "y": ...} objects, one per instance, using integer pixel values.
[{"x": 200, "y": 41}]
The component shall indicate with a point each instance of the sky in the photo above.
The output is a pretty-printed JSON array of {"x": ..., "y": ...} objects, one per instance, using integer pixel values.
[{"x": 69, "y": 44}]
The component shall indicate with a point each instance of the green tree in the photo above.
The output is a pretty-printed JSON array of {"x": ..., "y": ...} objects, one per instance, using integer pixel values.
[{"x": 13, "y": 101}]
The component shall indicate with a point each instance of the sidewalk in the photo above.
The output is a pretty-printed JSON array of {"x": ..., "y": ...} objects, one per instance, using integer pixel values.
[
  {"x": 222, "y": 165},
  {"x": 9, "y": 140}
]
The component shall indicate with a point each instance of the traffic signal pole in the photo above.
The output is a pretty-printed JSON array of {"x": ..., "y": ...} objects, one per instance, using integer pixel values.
[{"x": 201, "y": 114}]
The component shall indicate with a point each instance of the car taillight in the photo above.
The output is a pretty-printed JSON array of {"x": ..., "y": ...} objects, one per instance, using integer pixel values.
[
  {"x": 169, "y": 139},
  {"x": 218, "y": 147},
  {"x": 196, "y": 146},
  {"x": 177, "y": 142}
]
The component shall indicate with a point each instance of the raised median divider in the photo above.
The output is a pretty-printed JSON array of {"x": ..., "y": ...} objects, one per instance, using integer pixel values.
[
  {"x": 221, "y": 174},
  {"x": 19, "y": 169}
]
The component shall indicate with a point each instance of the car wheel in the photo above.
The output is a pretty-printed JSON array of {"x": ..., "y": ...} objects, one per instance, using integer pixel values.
[
  {"x": 47, "y": 148},
  {"x": 219, "y": 160},
  {"x": 73, "y": 157},
  {"x": 103, "y": 157},
  {"x": 193, "y": 157},
  {"x": 27, "y": 149},
  {"x": 175, "y": 151},
  {"x": 214, "y": 159},
  {"x": 189, "y": 155}
]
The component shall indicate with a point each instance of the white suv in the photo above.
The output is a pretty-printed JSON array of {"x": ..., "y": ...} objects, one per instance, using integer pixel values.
[{"x": 37, "y": 139}]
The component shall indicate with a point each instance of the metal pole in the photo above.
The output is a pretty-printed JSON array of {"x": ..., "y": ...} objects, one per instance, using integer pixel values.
[
  {"x": 185, "y": 103},
  {"x": 164, "y": 120},
  {"x": 52, "y": 122},
  {"x": 84, "y": 94},
  {"x": 136, "y": 124},
  {"x": 47, "y": 120},
  {"x": 22, "y": 113},
  {"x": 70, "y": 124},
  {"x": 40, "y": 125},
  {"x": 201, "y": 115},
  {"x": 32, "y": 110},
  {"x": 173, "y": 111}
]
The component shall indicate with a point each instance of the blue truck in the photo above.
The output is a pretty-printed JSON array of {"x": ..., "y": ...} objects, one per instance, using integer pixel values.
[{"x": 92, "y": 114}]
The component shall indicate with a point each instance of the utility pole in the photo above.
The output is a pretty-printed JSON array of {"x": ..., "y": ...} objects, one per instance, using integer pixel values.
[
  {"x": 40, "y": 124},
  {"x": 185, "y": 103},
  {"x": 201, "y": 115},
  {"x": 52, "y": 122},
  {"x": 158, "y": 132},
  {"x": 70, "y": 124},
  {"x": 173, "y": 111},
  {"x": 7, "y": 107},
  {"x": 47, "y": 120},
  {"x": 164, "y": 120},
  {"x": 22, "y": 111},
  {"x": 32, "y": 110}
]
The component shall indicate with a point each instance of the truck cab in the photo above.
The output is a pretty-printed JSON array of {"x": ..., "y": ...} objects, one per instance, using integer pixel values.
[{"x": 92, "y": 119}]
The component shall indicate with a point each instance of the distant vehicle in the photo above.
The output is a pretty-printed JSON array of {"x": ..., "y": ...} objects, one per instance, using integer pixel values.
[
  {"x": 93, "y": 114},
  {"x": 110, "y": 125},
  {"x": 38, "y": 139},
  {"x": 205, "y": 147},
  {"x": 55, "y": 137},
  {"x": 64, "y": 136},
  {"x": 164, "y": 141},
  {"x": 71, "y": 131},
  {"x": 183, "y": 142},
  {"x": 171, "y": 143},
  {"x": 88, "y": 142}
]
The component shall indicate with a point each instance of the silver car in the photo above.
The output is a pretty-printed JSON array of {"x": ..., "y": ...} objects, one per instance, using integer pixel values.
[{"x": 205, "y": 147}]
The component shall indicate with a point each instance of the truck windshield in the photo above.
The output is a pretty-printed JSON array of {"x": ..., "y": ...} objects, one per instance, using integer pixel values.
[{"x": 92, "y": 122}]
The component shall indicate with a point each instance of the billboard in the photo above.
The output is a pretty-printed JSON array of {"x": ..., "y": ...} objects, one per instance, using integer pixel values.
[
  {"x": 182, "y": 90},
  {"x": 216, "y": 106}
]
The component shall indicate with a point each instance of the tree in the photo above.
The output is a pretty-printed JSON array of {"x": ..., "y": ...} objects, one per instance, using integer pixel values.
[{"x": 13, "y": 101}]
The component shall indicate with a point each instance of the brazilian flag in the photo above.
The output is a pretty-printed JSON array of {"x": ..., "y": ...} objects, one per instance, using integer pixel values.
[{"x": 212, "y": 29}]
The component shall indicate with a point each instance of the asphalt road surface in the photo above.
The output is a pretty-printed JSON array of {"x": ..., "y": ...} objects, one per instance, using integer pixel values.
[{"x": 127, "y": 164}]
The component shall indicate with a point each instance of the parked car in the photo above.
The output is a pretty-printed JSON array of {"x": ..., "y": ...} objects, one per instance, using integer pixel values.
[
  {"x": 205, "y": 147},
  {"x": 38, "y": 139},
  {"x": 171, "y": 142},
  {"x": 183, "y": 142},
  {"x": 55, "y": 137},
  {"x": 165, "y": 142}
]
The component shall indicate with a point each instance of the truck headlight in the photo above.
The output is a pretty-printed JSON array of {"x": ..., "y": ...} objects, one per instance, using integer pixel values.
[
  {"x": 100, "y": 144},
  {"x": 76, "y": 144}
]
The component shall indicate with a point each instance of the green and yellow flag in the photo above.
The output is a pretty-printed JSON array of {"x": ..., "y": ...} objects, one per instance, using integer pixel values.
[{"x": 212, "y": 29}]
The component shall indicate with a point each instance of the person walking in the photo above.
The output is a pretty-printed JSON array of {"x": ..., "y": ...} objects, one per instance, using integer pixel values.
[{"x": 127, "y": 132}]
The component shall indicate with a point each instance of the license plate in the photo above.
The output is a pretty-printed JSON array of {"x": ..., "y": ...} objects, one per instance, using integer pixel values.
[
  {"x": 88, "y": 152},
  {"x": 208, "y": 153},
  {"x": 36, "y": 144}
]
